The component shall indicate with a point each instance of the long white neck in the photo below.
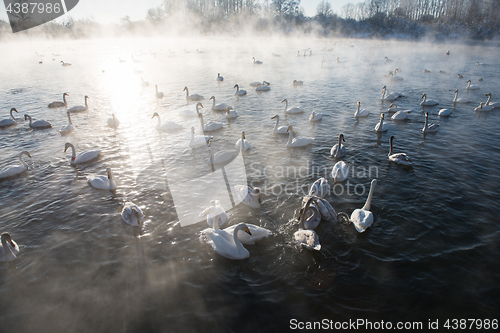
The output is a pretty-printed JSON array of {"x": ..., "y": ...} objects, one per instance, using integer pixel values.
[
  {"x": 187, "y": 92},
  {"x": 277, "y": 123},
  {"x": 237, "y": 86},
  {"x": 110, "y": 177},
  {"x": 73, "y": 151},
  {"x": 456, "y": 96},
  {"x": 286, "y": 105},
  {"x": 468, "y": 85},
  {"x": 9, "y": 255},
  {"x": 31, "y": 120},
  {"x": 488, "y": 101},
  {"x": 197, "y": 107},
  {"x": 21, "y": 159},
  {"x": 159, "y": 120},
  {"x": 425, "y": 123},
  {"x": 425, "y": 98},
  {"x": 383, "y": 93},
  {"x": 86, "y": 105},
  {"x": 202, "y": 123},
  {"x": 369, "y": 200},
  {"x": 381, "y": 123},
  {"x": 290, "y": 136},
  {"x": 337, "y": 154},
  {"x": 237, "y": 242},
  {"x": 192, "y": 134},
  {"x": 213, "y": 105},
  {"x": 11, "y": 115},
  {"x": 69, "y": 118},
  {"x": 357, "y": 111},
  {"x": 64, "y": 99}
]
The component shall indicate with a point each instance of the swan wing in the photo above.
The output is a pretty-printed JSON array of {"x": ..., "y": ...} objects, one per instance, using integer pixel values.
[
  {"x": 362, "y": 219},
  {"x": 10, "y": 171},
  {"x": 258, "y": 233}
]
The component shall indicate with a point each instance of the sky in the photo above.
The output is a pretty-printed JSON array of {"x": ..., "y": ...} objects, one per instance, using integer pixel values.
[{"x": 111, "y": 11}]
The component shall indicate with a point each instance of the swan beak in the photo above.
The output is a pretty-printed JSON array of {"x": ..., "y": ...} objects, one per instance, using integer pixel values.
[
  {"x": 258, "y": 199},
  {"x": 29, "y": 155},
  {"x": 109, "y": 175},
  {"x": 248, "y": 231},
  {"x": 201, "y": 105},
  {"x": 273, "y": 117},
  {"x": 283, "y": 101}
]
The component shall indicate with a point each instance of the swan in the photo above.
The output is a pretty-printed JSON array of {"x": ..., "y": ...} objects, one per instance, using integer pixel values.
[
  {"x": 307, "y": 238},
  {"x": 239, "y": 92},
  {"x": 388, "y": 97},
  {"x": 444, "y": 113},
  {"x": 471, "y": 87},
  {"x": 210, "y": 126},
  {"x": 256, "y": 233},
  {"x": 388, "y": 60},
  {"x": 394, "y": 77},
  {"x": 9, "y": 248},
  {"x": 298, "y": 83},
  {"x": 494, "y": 104},
  {"x": 297, "y": 141},
  {"x": 265, "y": 86},
  {"x": 39, "y": 124},
  {"x": 83, "y": 157},
  {"x": 429, "y": 102},
  {"x": 219, "y": 157},
  {"x": 219, "y": 78},
  {"x": 258, "y": 62},
  {"x": 361, "y": 113},
  {"x": 132, "y": 214},
  {"x": 198, "y": 140},
  {"x": 320, "y": 188},
  {"x": 159, "y": 94},
  {"x": 381, "y": 127},
  {"x": 101, "y": 182},
  {"x": 460, "y": 76},
  {"x": 400, "y": 115},
  {"x": 315, "y": 116},
  {"x": 113, "y": 122},
  {"x": 9, "y": 121},
  {"x": 461, "y": 100},
  {"x": 80, "y": 108},
  {"x": 292, "y": 110},
  {"x": 231, "y": 114},
  {"x": 15, "y": 170},
  {"x": 219, "y": 107},
  {"x": 192, "y": 97},
  {"x": 248, "y": 196},
  {"x": 59, "y": 104},
  {"x": 399, "y": 158},
  {"x": 326, "y": 210},
  {"x": 312, "y": 215},
  {"x": 68, "y": 128},
  {"x": 340, "y": 172},
  {"x": 335, "y": 151},
  {"x": 191, "y": 113},
  {"x": 363, "y": 218},
  {"x": 255, "y": 84},
  {"x": 394, "y": 108},
  {"x": 166, "y": 127},
  {"x": 144, "y": 84},
  {"x": 426, "y": 71},
  {"x": 65, "y": 63},
  {"x": 242, "y": 144},
  {"x": 39, "y": 55},
  {"x": 225, "y": 244},
  {"x": 429, "y": 128},
  {"x": 442, "y": 72},
  {"x": 483, "y": 108},
  {"x": 215, "y": 209},
  {"x": 277, "y": 128}
]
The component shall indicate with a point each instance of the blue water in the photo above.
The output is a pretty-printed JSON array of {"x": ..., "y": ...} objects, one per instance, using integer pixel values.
[{"x": 431, "y": 252}]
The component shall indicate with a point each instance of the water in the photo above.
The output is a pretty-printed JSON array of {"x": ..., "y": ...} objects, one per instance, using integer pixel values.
[{"x": 431, "y": 252}]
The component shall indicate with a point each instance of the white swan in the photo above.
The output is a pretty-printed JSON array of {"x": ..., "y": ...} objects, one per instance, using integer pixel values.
[
  {"x": 494, "y": 104},
  {"x": 381, "y": 126},
  {"x": 219, "y": 78},
  {"x": 320, "y": 188},
  {"x": 215, "y": 209},
  {"x": 191, "y": 113},
  {"x": 326, "y": 210},
  {"x": 291, "y": 110},
  {"x": 226, "y": 244},
  {"x": 132, "y": 214},
  {"x": 38, "y": 124},
  {"x": 65, "y": 130},
  {"x": 219, "y": 107},
  {"x": 65, "y": 63},
  {"x": 101, "y": 182},
  {"x": 297, "y": 141},
  {"x": 361, "y": 113},
  {"x": 59, "y": 104},
  {"x": 310, "y": 215},
  {"x": 248, "y": 196},
  {"x": 113, "y": 122},
  {"x": 256, "y": 233},
  {"x": 255, "y": 84},
  {"x": 400, "y": 115},
  {"x": 460, "y": 100},
  {"x": 9, "y": 121},
  {"x": 340, "y": 172},
  {"x": 210, "y": 126},
  {"x": 166, "y": 127},
  {"x": 483, "y": 108},
  {"x": 258, "y": 62},
  {"x": 219, "y": 157},
  {"x": 444, "y": 112},
  {"x": 363, "y": 218},
  {"x": 277, "y": 128},
  {"x": 427, "y": 102},
  {"x": 239, "y": 92},
  {"x": 159, "y": 94},
  {"x": 394, "y": 108},
  {"x": 307, "y": 238},
  {"x": 429, "y": 128},
  {"x": 298, "y": 83},
  {"x": 388, "y": 60},
  {"x": 198, "y": 140},
  {"x": 394, "y": 77},
  {"x": 80, "y": 108},
  {"x": 315, "y": 116},
  {"x": 335, "y": 151},
  {"x": 83, "y": 157},
  {"x": 471, "y": 87},
  {"x": 144, "y": 84},
  {"x": 242, "y": 144},
  {"x": 265, "y": 86},
  {"x": 399, "y": 158},
  {"x": 192, "y": 97},
  {"x": 386, "y": 96},
  {"x": 231, "y": 114},
  {"x": 15, "y": 170},
  {"x": 9, "y": 249}
]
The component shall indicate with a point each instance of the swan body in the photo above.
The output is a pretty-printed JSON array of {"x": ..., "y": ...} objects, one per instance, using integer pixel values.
[
  {"x": 231, "y": 114},
  {"x": 363, "y": 218},
  {"x": 113, "y": 122},
  {"x": 399, "y": 158},
  {"x": 307, "y": 238},
  {"x": 381, "y": 126},
  {"x": 219, "y": 107},
  {"x": 210, "y": 126},
  {"x": 297, "y": 141},
  {"x": 38, "y": 124},
  {"x": 59, "y": 104},
  {"x": 394, "y": 108},
  {"x": 291, "y": 110},
  {"x": 361, "y": 113},
  {"x": 83, "y": 157},
  {"x": 429, "y": 128},
  {"x": 65, "y": 130},
  {"x": 471, "y": 87},
  {"x": 192, "y": 97},
  {"x": 219, "y": 78},
  {"x": 242, "y": 144},
  {"x": 298, "y": 83},
  {"x": 310, "y": 215},
  {"x": 427, "y": 102},
  {"x": 320, "y": 188},
  {"x": 219, "y": 157},
  {"x": 166, "y": 127},
  {"x": 263, "y": 87},
  {"x": 80, "y": 108},
  {"x": 494, "y": 104},
  {"x": 15, "y": 170},
  {"x": 9, "y": 249},
  {"x": 226, "y": 244},
  {"x": 338, "y": 150},
  {"x": 9, "y": 121},
  {"x": 258, "y": 62},
  {"x": 340, "y": 172},
  {"x": 394, "y": 77},
  {"x": 277, "y": 128},
  {"x": 247, "y": 195},
  {"x": 159, "y": 94},
  {"x": 239, "y": 92},
  {"x": 191, "y": 113},
  {"x": 101, "y": 182},
  {"x": 144, "y": 84},
  {"x": 400, "y": 115},
  {"x": 256, "y": 233},
  {"x": 483, "y": 108},
  {"x": 215, "y": 210},
  {"x": 65, "y": 63},
  {"x": 315, "y": 116},
  {"x": 198, "y": 140},
  {"x": 444, "y": 112},
  {"x": 132, "y": 214},
  {"x": 460, "y": 100}
]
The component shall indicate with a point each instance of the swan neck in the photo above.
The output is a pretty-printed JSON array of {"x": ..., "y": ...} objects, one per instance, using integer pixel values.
[
  {"x": 6, "y": 248},
  {"x": 202, "y": 123},
  {"x": 159, "y": 121},
  {"x": 369, "y": 199},
  {"x": 31, "y": 120},
  {"x": 11, "y": 115},
  {"x": 290, "y": 137},
  {"x": 456, "y": 96},
  {"x": 86, "y": 103},
  {"x": 488, "y": 101},
  {"x": 237, "y": 242},
  {"x": 286, "y": 105},
  {"x": 213, "y": 105},
  {"x": 73, "y": 152},
  {"x": 277, "y": 123},
  {"x": 24, "y": 164},
  {"x": 187, "y": 92},
  {"x": 69, "y": 118}
]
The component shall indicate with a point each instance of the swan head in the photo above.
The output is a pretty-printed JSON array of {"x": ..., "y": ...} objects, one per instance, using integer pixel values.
[
  {"x": 209, "y": 142},
  {"x": 289, "y": 129},
  {"x": 86, "y": 97},
  {"x": 242, "y": 133},
  {"x": 468, "y": 81},
  {"x": 427, "y": 114},
  {"x": 6, "y": 238},
  {"x": 65, "y": 94},
  {"x": 185, "y": 88},
  {"x": 381, "y": 116},
  {"x": 384, "y": 87},
  {"x": 67, "y": 145},
  {"x": 213, "y": 97},
  {"x": 228, "y": 109},
  {"x": 236, "y": 86},
  {"x": 13, "y": 109},
  {"x": 155, "y": 115},
  {"x": 488, "y": 94},
  {"x": 424, "y": 95},
  {"x": 26, "y": 117},
  {"x": 275, "y": 117},
  {"x": 391, "y": 106},
  {"x": 456, "y": 91},
  {"x": 312, "y": 115},
  {"x": 341, "y": 137},
  {"x": 303, "y": 209},
  {"x": 26, "y": 153},
  {"x": 284, "y": 101}
]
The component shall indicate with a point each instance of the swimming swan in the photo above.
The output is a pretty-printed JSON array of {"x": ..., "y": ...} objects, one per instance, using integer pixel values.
[
  {"x": 101, "y": 182},
  {"x": 15, "y": 170},
  {"x": 9, "y": 121},
  {"x": 219, "y": 107},
  {"x": 258, "y": 62},
  {"x": 113, "y": 122},
  {"x": 38, "y": 124},
  {"x": 242, "y": 144},
  {"x": 399, "y": 158},
  {"x": 335, "y": 151},
  {"x": 132, "y": 214},
  {"x": 265, "y": 86},
  {"x": 65, "y": 130},
  {"x": 210, "y": 126},
  {"x": 83, "y": 157},
  {"x": 239, "y": 92},
  {"x": 215, "y": 210},
  {"x": 461, "y": 100},
  {"x": 363, "y": 218},
  {"x": 159, "y": 94},
  {"x": 256, "y": 233},
  {"x": 247, "y": 195},
  {"x": 429, "y": 128},
  {"x": 297, "y": 141},
  {"x": 494, "y": 104},
  {"x": 483, "y": 108},
  {"x": 471, "y": 87},
  {"x": 310, "y": 216},
  {"x": 80, "y": 108},
  {"x": 340, "y": 172},
  {"x": 315, "y": 116},
  {"x": 292, "y": 110},
  {"x": 361, "y": 113},
  {"x": 400, "y": 115},
  {"x": 277, "y": 128},
  {"x": 226, "y": 244},
  {"x": 166, "y": 127},
  {"x": 9, "y": 249},
  {"x": 320, "y": 188},
  {"x": 192, "y": 97},
  {"x": 219, "y": 78},
  {"x": 231, "y": 114},
  {"x": 191, "y": 113},
  {"x": 59, "y": 104},
  {"x": 219, "y": 157},
  {"x": 198, "y": 140},
  {"x": 307, "y": 238},
  {"x": 429, "y": 102}
]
